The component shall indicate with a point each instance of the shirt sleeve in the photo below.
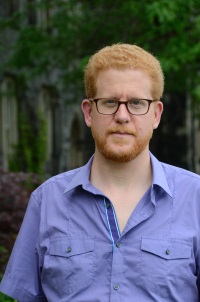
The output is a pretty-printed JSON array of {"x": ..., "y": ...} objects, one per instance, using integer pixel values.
[
  {"x": 22, "y": 277},
  {"x": 198, "y": 273}
]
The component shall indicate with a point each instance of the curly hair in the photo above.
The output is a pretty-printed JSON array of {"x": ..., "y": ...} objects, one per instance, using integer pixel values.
[{"x": 120, "y": 57}]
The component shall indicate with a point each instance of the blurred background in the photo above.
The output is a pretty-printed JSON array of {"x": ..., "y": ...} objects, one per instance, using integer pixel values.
[{"x": 44, "y": 46}]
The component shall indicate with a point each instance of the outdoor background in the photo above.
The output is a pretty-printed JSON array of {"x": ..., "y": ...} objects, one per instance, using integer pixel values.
[{"x": 44, "y": 46}]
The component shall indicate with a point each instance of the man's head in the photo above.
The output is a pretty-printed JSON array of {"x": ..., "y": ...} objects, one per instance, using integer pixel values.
[
  {"x": 128, "y": 76},
  {"x": 120, "y": 57}
]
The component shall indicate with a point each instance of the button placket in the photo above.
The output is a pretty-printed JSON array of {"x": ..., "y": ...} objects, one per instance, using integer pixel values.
[
  {"x": 118, "y": 244},
  {"x": 108, "y": 205}
]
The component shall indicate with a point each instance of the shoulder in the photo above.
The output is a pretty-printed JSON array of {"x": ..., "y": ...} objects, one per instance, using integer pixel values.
[
  {"x": 182, "y": 178},
  {"x": 182, "y": 173},
  {"x": 56, "y": 184},
  {"x": 65, "y": 177}
]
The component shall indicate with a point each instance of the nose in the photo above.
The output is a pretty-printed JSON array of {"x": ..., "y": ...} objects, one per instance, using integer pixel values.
[{"x": 122, "y": 115}]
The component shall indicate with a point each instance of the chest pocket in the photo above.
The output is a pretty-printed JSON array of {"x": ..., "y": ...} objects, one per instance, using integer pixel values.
[
  {"x": 164, "y": 264},
  {"x": 70, "y": 264}
]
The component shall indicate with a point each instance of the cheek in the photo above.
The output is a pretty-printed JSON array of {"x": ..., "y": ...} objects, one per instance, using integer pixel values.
[
  {"x": 95, "y": 122},
  {"x": 139, "y": 123},
  {"x": 144, "y": 126},
  {"x": 97, "y": 127},
  {"x": 100, "y": 122}
]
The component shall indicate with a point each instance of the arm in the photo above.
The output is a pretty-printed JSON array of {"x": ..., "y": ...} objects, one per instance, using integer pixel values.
[{"x": 22, "y": 277}]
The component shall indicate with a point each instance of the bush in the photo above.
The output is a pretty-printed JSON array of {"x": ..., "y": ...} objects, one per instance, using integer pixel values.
[
  {"x": 15, "y": 190},
  {"x": 4, "y": 298}
]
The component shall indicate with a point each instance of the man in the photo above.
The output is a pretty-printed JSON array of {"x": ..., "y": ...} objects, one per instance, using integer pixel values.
[{"x": 124, "y": 227}]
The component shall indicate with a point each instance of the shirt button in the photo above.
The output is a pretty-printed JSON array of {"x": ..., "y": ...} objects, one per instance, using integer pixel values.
[
  {"x": 116, "y": 286},
  {"x": 118, "y": 244},
  {"x": 68, "y": 250},
  {"x": 167, "y": 251},
  {"x": 107, "y": 205}
]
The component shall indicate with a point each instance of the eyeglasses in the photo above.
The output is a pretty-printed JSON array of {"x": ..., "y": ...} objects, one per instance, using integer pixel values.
[{"x": 109, "y": 106}]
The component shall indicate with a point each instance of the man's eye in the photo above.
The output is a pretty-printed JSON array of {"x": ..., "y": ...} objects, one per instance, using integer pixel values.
[
  {"x": 110, "y": 102},
  {"x": 135, "y": 102}
]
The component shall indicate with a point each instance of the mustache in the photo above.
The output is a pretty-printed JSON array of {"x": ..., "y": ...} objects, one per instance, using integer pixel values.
[{"x": 122, "y": 130}]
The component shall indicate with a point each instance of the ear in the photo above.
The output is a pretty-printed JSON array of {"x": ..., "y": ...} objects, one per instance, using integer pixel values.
[
  {"x": 158, "y": 113},
  {"x": 87, "y": 111}
]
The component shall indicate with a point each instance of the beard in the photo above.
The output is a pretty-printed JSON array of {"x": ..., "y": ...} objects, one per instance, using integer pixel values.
[{"x": 125, "y": 154}]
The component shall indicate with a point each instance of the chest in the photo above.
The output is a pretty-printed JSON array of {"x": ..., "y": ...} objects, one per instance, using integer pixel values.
[
  {"x": 123, "y": 211},
  {"x": 125, "y": 204},
  {"x": 147, "y": 252}
]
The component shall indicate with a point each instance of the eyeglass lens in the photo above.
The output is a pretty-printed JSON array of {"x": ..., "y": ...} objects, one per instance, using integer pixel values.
[{"x": 134, "y": 106}]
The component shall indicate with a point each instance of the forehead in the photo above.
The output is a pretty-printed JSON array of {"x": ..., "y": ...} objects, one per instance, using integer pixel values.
[{"x": 118, "y": 83}]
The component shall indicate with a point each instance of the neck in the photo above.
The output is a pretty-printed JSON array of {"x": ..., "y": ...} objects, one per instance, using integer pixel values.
[{"x": 108, "y": 175}]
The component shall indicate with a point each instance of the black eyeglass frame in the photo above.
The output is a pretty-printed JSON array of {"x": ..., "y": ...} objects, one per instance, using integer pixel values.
[{"x": 119, "y": 103}]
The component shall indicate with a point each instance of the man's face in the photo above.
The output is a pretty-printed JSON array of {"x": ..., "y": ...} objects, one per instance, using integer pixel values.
[{"x": 122, "y": 137}]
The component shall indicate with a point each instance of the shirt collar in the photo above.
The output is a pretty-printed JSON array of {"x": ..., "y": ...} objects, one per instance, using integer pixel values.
[
  {"x": 81, "y": 177},
  {"x": 159, "y": 177}
]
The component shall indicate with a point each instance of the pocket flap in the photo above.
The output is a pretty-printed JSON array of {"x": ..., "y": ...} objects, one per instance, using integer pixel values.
[
  {"x": 67, "y": 247},
  {"x": 167, "y": 248}
]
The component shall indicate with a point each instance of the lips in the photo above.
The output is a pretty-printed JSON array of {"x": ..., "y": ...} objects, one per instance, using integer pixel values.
[{"x": 120, "y": 132}]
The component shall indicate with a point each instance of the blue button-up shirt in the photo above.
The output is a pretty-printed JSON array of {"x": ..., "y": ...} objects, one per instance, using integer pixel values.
[{"x": 70, "y": 248}]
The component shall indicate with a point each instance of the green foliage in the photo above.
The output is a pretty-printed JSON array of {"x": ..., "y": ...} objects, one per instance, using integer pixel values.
[
  {"x": 30, "y": 152},
  {"x": 4, "y": 255},
  {"x": 73, "y": 30},
  {"x": 4, "y": 298}
]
